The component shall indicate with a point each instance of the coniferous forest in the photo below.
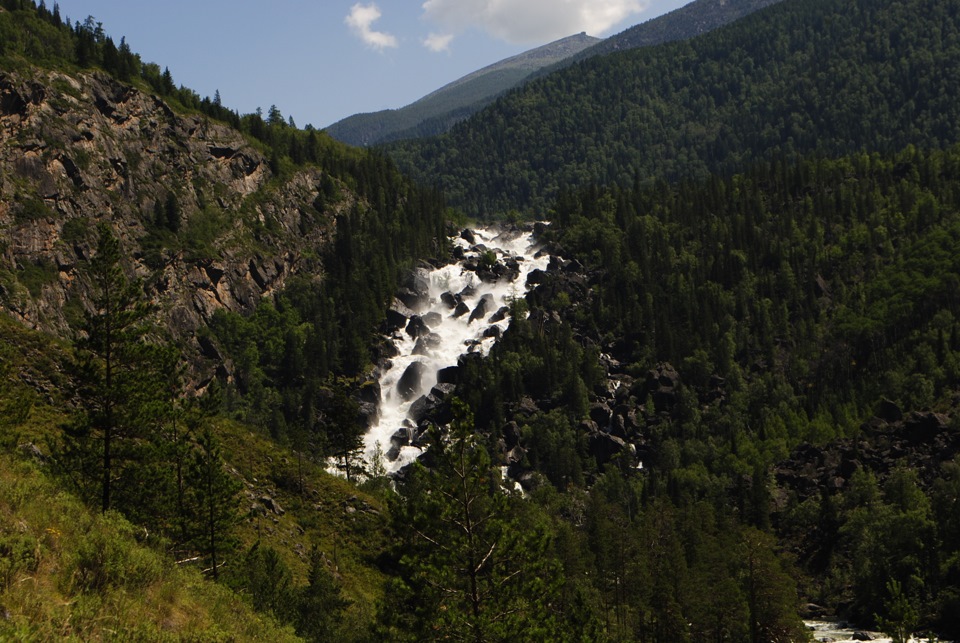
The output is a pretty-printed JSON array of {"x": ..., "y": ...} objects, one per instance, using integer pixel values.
[{"x": 731, "y": 402}]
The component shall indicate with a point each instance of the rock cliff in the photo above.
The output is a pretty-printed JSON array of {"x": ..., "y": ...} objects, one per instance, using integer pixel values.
[{"x": 201, "y": 217}]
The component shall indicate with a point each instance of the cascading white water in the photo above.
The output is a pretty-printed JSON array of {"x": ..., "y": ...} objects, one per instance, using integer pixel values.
[
  {"x": 841, "y": 633},
  {"x": 452, "y": 335}
]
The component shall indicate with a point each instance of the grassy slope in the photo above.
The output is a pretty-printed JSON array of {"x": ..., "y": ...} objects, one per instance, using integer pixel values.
[{"x": 67, "y": 572}]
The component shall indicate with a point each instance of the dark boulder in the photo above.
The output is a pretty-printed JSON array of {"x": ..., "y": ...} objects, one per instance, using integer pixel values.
[
  {"x": 416, "y": 327},
  {"x": 432, "y": 319},
  {"x": 449, "y": 299},
  {"x": 604, "y": 447},
  {"x": 461, "y": 309},
  {"x": 397, "y": 316},
  {"x": 410, "y": 382},
  {"x": 431, "y": 407},
  {"x": 924, "y": 426},
  {"x": 500, "y": 315},
  {"x": 448, "y": 375},
  {"x": 536, "y": 276},
  {"x": 443, "y": 390},
  {"x": 369, "y": 412},
  {"x": 511, "y": 434},
  {"x": 427, "y": 343},
  {"x": 417, "y": 284},
  {"x": 482, "y": 308},
  {"x": 601, "y": 414},
  {"x": 889, "y": 411},
  {"x": 370, "y": 391}
]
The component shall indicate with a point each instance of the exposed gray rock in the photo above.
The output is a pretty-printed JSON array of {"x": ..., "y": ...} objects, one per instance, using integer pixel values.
[
  {"x": 271, "y": 504},
  {"x": 427, "y": 343}
]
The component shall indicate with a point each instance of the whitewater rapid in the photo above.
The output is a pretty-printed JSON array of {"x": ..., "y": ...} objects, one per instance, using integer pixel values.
[{"x": 451, "y": 334}]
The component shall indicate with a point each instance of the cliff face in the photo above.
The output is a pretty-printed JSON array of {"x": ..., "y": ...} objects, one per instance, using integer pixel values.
[{"x": 200, "y": 215}]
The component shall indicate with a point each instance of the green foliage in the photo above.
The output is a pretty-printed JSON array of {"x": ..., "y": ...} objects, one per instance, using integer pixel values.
[
  {"x": 210, "y": 503},
  {"x": 34, "y": 276},
  {"x": 474, "y": 562},
  {"x": 901, "y": 617},
  {"x": 75, "y": 230},
  {"x": 67, "y": 573},
  {"x": 320, "y": 604},
  {"x": 266, "y": 580},
  {"x": 287, "y": 350},
  {"x": 794, "y": 79},
  {"x": 117, "y": 375},
  {"x": 31, "y": 209},
  {"x": 105, "y": 558}
]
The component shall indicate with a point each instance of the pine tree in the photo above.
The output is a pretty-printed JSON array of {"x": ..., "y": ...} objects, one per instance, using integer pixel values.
[
  {"x": 116, "y": 373},
  {"x": 211, "y": 502},
  {"x": 320, "y": 604},
  {"x": 476, "y": 564},
  {"x": 344, "y": 430}
]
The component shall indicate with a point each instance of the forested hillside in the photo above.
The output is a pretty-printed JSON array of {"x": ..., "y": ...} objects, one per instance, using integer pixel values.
[
  {"x": 730, "y": 401},
  {"x": 796, "y": 78},
  {"x": 778, "y": 350},
  {"x": 693, "y": 19},
  {"x": 132, "y": 213}
]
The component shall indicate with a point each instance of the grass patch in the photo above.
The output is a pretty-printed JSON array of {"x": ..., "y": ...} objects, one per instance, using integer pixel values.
[
  {"x": 35, "y": 275},
  {"x": 30, "y": 208},
  {"x": 76, "y": 230},
  {"x": 67, "y": 573}
]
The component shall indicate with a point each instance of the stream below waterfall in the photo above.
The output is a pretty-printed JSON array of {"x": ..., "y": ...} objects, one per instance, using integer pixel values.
[
  {"x": 838, "y": 632},
  {"x": 443, "y": 314}
]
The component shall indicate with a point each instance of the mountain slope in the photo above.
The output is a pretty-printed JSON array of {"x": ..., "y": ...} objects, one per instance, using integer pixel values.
[
  {"x": 796, "y": 77},
  {"x": 694, "y": 19},
  {"x": 438, "y": 111}
]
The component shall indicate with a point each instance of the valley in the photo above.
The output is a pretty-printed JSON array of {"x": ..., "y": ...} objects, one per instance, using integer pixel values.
[{"x": 661, "y": 345}]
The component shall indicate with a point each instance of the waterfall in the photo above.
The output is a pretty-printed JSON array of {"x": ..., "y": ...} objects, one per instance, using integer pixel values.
[{"x": 449, "y": 311}]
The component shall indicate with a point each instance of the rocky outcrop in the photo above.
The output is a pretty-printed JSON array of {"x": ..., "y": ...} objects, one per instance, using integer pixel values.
[
  {"x": 921, "y": 440},
  {"x": 78, "y": 149}
]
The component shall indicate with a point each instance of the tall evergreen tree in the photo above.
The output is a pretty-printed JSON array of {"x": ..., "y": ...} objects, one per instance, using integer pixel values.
[
  {"x": 344, "y": 429},
  {"x": 211, "y": 502},
  {"x": 475, "y": 566},
  {"x": 117, "y": 372}
]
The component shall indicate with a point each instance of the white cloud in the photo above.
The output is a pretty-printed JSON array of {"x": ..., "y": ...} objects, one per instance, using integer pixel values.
[
  {"x": 360, "y": 21},
  {"x": 531, "y": 21},
  {"x": 438, "y": 42}
]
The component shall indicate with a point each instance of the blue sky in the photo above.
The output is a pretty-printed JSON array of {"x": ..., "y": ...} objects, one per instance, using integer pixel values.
[{"x": 324, "y": 60}]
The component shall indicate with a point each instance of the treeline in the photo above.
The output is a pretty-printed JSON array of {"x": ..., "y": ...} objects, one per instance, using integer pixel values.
[
  {"x": 792, "y": 300},
  {"x": 800, "y": 77}
]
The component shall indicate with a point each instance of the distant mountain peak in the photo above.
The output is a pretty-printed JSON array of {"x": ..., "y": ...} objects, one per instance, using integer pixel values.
[{"x": 441, "y": 109}]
